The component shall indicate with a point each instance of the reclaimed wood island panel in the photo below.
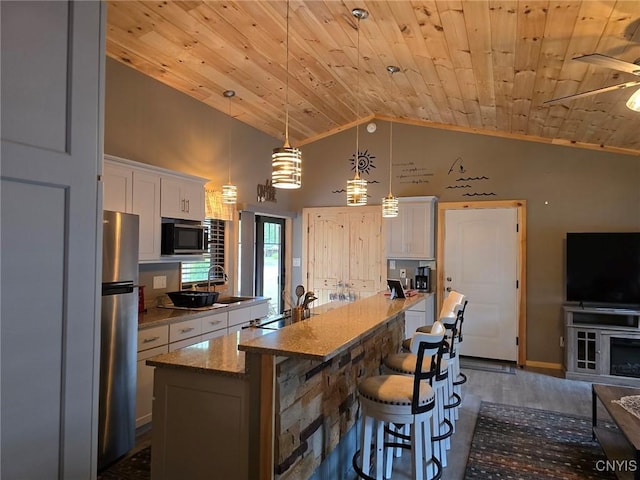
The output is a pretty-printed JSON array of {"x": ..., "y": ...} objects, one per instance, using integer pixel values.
[{"x": 274, "y": 405}]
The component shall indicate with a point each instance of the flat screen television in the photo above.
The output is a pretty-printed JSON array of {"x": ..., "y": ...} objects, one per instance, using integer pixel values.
[{"x": 603, "y": 268}]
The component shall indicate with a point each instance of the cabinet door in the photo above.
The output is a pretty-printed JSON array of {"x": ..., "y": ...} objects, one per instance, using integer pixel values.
[
  {"x": 182, "y": 198},
  {"x": 239, "y": 317},
  {"x": 172, "y": 203},
  {"x": 587, "y": 351},
  {"x": 363, "y": 261},
  {"x": 117, "y": 187},
  {"x": 183, "y": 330},
  {"x": 345, "y": 251},
  {"x": 411, "y": 233},
  {"x": 146, "y": 204},
  {"x": 144, "y": 385},
  {"x": 214, "y": 322}
]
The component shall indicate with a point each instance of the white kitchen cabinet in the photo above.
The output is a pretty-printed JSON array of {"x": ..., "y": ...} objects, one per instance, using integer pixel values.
[
  {"x": 411, "y": 234},
  {"x": 153, "y": 337},
  {"x": 239, "y": 318},
  {"x": 146, "y": 204},
  {"x": 215, "y": 322},
  {"x": 145, "y": 190},
  {"x": 118, "y": 187},
  {"x": 419, "y": 315},
  {"x": 182, "y": 198},
  {"x": 182, "y": 330},
  {"x": 144, "y": 384}
]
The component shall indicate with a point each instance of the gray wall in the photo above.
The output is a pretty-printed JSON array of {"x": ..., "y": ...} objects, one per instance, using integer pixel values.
[
  {"x": 149, "y": 122},
  {"x": 567, "y": 189}
]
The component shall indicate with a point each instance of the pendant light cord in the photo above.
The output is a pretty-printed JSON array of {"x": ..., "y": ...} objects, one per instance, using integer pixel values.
[
  {"x": 286, "y": 115},
  {"x": 229, "y": 142},
  {"x": 358, "y": 107},
  {"x": 390, "y": 154}
]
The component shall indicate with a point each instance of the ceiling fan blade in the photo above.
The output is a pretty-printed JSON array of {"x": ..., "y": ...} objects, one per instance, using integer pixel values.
[
  {"x": 610, "y": 62},
  {"x": 634, "y": 83}
]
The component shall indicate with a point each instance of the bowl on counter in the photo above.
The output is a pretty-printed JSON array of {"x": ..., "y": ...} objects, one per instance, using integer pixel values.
[{"x": 193, "y": 299}]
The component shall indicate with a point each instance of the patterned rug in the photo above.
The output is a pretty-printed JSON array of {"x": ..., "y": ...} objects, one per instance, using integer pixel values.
[
  {"x": 524, "y": 443},
  {"x": 135, "y": 467}
]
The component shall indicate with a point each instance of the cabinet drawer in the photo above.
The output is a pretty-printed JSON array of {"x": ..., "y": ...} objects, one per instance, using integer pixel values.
[
  {"x": 211, "y": 323},
  {"x": 240, "y": 316},
  {"x": 259, "y": 311},
  {"x": 153, "y": 337},
  {"x": 186, "y": 329}
]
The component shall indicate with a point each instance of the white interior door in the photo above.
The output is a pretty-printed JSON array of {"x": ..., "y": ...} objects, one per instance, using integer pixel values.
[{"x": 481, "y": 261}]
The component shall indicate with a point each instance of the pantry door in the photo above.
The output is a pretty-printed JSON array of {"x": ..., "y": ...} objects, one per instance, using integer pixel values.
[
  {"x": 343, "y": 252},
  {"x": 481, "y": 258}
]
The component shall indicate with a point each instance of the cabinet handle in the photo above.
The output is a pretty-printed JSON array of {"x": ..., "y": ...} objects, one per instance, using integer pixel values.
[
  {"x": 187, "y": 206},
  {"x": 150, "y": 339},
  {"x": 216, "y": 322},
  {"x": 185, "y": 330}
]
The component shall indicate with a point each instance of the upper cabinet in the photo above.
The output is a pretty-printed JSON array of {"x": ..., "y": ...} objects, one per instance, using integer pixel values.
[
  {"x": 144, "y": 190},
  {"x": 411, "y": 234},
  {"x": 182, "y": 198}
]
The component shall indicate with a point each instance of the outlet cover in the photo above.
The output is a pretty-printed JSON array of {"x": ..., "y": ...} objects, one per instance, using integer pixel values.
[
  {"x": 403, "y": 273},
  {"x": 160, "y": 282}
]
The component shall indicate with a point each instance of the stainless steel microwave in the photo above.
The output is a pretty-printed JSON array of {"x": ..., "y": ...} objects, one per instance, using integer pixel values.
[{"x": 184, "y": 239}]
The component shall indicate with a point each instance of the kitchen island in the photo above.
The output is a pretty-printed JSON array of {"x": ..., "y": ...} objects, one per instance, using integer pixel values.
[{"x": 265, "y": 404}]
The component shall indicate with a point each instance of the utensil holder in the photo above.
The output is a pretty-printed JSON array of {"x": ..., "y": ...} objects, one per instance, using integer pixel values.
[{"x": 297, "y": 314}]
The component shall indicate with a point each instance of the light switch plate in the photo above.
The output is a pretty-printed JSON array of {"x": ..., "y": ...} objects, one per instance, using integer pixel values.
[
  {"x": 296, "y": 261},
  {"x": 392, "y": 264},
  {"x": 160, "y": 282}
]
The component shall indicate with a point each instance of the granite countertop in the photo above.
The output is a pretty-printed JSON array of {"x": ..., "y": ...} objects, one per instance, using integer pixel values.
[
  {"x": 326, "y": 335},
  {"x": 218, "y": 356},
  {"x": 332, "y": 328},
  {"x": 157, "y": 316}
]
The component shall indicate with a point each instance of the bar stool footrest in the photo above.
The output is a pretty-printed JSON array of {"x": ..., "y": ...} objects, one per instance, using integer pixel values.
[
  {"x": 462, "y": 377},
  {"x": 455, "y": 403}
]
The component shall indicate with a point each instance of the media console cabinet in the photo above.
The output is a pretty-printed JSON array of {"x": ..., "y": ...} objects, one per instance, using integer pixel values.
[{"x": 602, "y": 345}]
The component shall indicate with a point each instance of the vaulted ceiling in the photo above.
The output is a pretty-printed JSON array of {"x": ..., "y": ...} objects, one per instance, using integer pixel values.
[{"x": 472, "y": 65}]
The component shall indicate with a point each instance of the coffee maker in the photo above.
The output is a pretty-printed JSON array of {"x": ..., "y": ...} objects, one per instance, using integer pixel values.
[{"x": 423, "y": 279}]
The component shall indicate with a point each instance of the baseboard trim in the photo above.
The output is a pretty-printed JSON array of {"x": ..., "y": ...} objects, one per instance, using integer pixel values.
[{"x": 552, "y": 366}]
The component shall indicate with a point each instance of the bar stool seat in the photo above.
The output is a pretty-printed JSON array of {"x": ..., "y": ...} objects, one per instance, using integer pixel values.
[{"x": 400, "y": 400}]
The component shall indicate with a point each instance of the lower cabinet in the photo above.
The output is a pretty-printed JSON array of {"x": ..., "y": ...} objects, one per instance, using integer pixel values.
[
  {"x": 144, "y": 386},
  {"x": 419, "y": 315},
  {"x": 168, "y": 338}
]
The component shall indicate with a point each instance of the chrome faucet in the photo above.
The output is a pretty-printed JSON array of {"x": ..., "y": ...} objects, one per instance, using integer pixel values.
[{"x": 212, "y": 267}]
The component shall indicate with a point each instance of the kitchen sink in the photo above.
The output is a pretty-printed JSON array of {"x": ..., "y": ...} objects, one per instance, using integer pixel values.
[{"x": 227, "y": 300}]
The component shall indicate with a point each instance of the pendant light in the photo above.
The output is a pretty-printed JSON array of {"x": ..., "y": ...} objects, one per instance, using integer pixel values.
[
  {"x": 357, "y": 187},
  {"x": 634, "y": 101},
  {"x": 286, "y": 162},
  {"x": 390, "y": 203},
  {"x": 229, "y": 191}
]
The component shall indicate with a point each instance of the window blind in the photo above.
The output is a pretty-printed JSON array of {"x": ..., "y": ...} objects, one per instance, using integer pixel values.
[{"x": 196, "y": 270}]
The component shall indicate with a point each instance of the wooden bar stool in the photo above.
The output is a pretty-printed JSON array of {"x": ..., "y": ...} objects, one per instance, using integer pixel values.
[{"x": 401, "y": 400}]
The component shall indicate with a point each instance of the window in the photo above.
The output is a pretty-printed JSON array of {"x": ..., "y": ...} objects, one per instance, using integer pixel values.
[{"x": 196, "y": 270}]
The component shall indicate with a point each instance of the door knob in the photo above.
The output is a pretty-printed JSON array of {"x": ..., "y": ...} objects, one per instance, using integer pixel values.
[
  {"x": 448, "y": 279},
  {"x": 448, "y": 289}
]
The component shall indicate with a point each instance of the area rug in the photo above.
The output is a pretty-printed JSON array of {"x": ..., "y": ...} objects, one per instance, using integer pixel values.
[
  {"x": 135, "y": 467},
  {"x": 472, "y": 363},
  {"x": 523, "y": 443}
]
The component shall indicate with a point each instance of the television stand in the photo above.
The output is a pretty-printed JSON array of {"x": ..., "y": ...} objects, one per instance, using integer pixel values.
[{"x": 602, "y": 345}]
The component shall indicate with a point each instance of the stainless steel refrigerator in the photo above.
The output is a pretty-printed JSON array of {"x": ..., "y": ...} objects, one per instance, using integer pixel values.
[{"x": 119, "y": 330}]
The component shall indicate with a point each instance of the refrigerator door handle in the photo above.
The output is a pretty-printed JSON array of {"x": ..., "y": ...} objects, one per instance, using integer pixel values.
[{"x": 117, "y": 288}]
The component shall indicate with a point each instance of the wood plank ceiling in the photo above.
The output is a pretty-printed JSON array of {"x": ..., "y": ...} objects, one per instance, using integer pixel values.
[{"x": 477, "y": 66}]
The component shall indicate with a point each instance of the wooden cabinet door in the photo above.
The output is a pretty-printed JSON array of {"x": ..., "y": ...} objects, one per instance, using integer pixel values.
[
  {"x": 411, "y": 233},
  {"x": 326, "y": 248},
  {"x": 364, "y": 259},
  {"x": 344, "y": 251}
]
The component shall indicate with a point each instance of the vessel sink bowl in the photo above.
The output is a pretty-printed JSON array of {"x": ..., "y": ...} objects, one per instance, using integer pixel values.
[{"x": 192, "y": 299}]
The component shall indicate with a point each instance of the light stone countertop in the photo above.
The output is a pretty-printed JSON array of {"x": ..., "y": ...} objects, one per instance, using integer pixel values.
[
  {"x": 332, "y": 329},
  {"x": 218, "y": 356},
  {"x": 157, "y": 316},
  {"x": 324, "y": 336}
]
